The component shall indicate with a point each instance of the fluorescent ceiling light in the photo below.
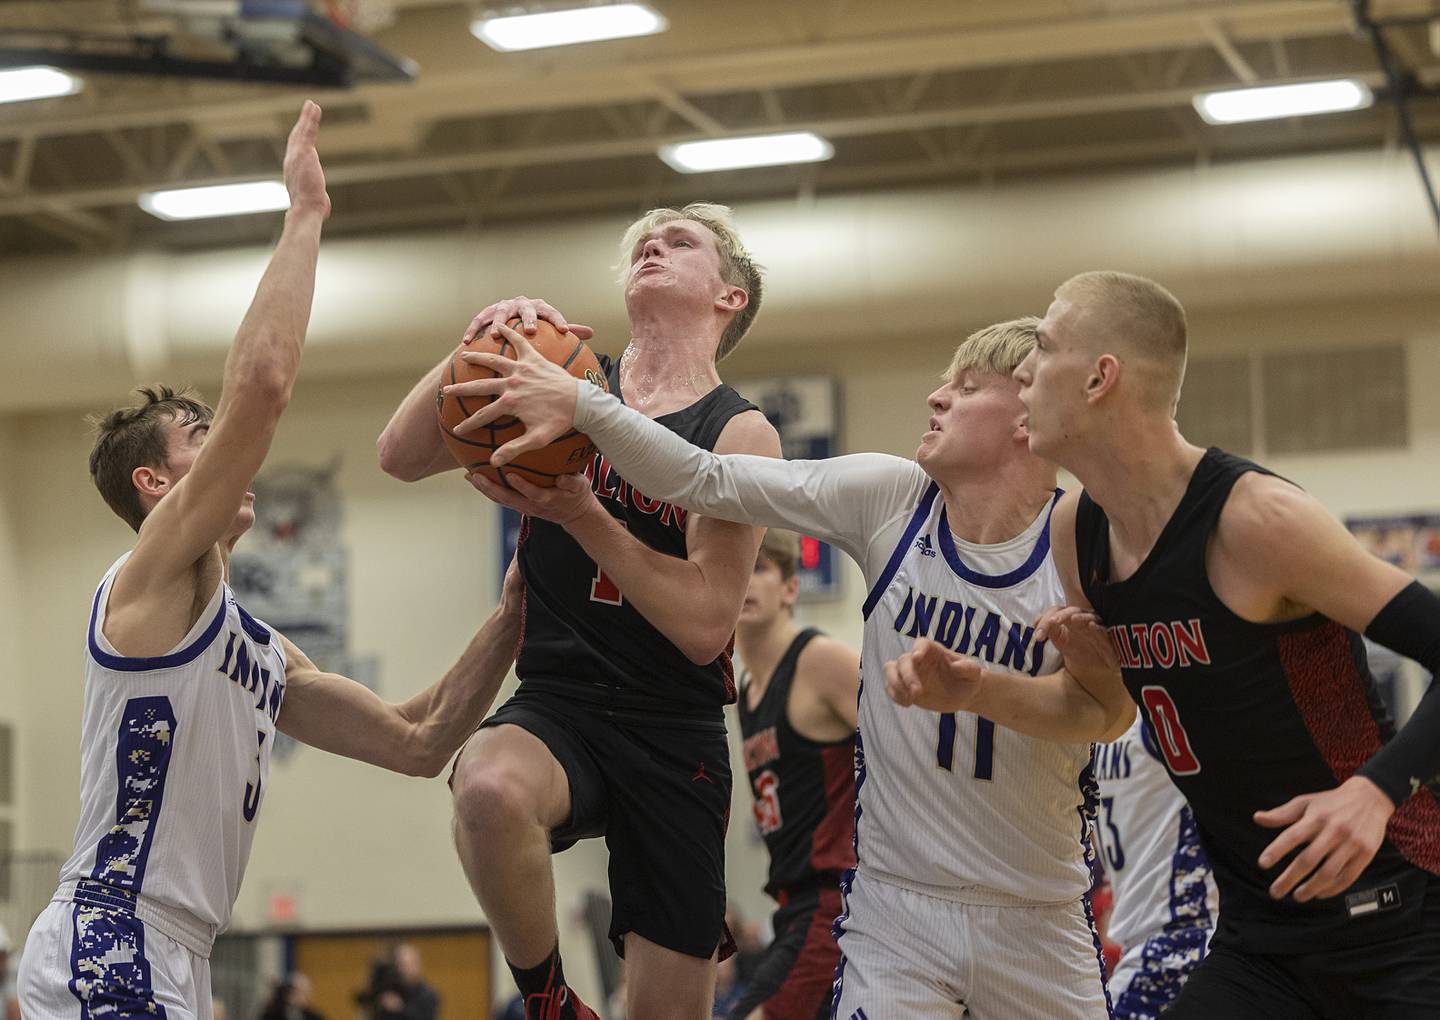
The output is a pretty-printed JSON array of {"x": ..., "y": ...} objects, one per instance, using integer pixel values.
[
  {"x": 18, "y": 84},
  {"x": 562, "y": 28},
  {"x": 738, "y": 153},
  {"x": 216, "y": 200},
  {"x": 1236, "y": 106}
]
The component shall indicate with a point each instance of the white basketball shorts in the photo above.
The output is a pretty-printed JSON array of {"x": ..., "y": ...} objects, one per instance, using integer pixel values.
[
  {"x": 85, "y": 960},
  {"x": 909, "y": 956}
]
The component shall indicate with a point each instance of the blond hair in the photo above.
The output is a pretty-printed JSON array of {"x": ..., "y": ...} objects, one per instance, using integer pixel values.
[
  {"x": 782, "y": 548},
  {"x": 1143, "y": 316},
  {"x": 998, "y": 349},
  {"x": 737, "y": 268}
]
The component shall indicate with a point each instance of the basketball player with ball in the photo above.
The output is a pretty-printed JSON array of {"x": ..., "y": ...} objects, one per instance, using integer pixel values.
[
  {"x": 184, "y": 690},
  {"x": 972, "y": 845},
  {"x": 630, "y": 609}
]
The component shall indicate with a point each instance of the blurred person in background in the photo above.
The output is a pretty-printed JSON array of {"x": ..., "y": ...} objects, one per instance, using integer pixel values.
[
  {"x": 797, "y": 704},
  {"x": 290, "y": 1000},
  {"x": 406, "y": 995},
  {"x": 9, "y": 1005},
  {"x": 218, "y": 1009}
]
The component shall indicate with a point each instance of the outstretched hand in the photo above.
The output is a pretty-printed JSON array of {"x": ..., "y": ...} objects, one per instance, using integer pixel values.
[
  {"x": 1340, "y": 830},
  {"x": 304, "y": 178},
  {"x": 933, "y": 677},
  {"x": 528, "y": 386}
]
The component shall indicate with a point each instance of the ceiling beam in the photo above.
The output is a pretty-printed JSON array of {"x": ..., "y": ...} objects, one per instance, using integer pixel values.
[
  {"x": 1233, "y": 58},
  {"x": 490, "y": 87},
  {"x": 522, "y": 155}
]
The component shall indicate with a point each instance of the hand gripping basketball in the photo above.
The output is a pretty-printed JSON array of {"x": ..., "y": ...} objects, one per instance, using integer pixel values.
[{"x": 529, "y": 387}]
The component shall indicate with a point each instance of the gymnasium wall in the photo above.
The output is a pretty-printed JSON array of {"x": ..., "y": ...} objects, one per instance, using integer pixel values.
[
  {"x": 13, "y": 684},
  {"x": 355, "y": 847}
]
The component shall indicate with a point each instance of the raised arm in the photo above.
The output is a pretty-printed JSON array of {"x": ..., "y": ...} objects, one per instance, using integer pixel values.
[
  {"x": 259, "y": 374},
  {"x": 1085, "y": 700},
  {"x": 417, "y": 738}
]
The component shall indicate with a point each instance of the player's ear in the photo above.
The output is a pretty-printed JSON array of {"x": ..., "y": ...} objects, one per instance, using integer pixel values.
[
  {"x": 1104, "y": 377},
  {"x": 732, "y": 299},
  {"x": 149, "y": 481}
]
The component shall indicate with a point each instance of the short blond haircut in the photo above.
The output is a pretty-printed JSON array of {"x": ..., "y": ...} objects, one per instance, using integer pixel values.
[
  {"x": 998, "y": 349},
  {"x": 737, "y": 268},
  {"x": 1144, "y": 318},
  {"x": 782, "y": 548}
]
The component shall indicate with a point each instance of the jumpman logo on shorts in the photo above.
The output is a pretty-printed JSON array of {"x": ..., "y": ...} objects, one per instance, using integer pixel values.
[{"x": 700, "y": 774}]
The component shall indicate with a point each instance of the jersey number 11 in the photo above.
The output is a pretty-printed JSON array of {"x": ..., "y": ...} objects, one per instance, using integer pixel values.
[{"x": 984, "y": 746}]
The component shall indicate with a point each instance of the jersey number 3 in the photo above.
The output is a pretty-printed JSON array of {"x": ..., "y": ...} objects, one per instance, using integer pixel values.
[{"x": 1173, "y": 740}]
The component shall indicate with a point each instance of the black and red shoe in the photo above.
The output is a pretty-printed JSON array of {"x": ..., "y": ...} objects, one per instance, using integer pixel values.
[{"x": 561, "y": 1004}]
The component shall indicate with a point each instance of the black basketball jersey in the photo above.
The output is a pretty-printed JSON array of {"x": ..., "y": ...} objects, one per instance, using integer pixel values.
[
  {"x": 804, "y": 791},
  {"x": 581, "y": 636},
  {"x": 1249, "y": 715}
]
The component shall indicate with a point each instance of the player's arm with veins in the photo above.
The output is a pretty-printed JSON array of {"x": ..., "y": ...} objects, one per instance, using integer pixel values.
[
  {"x": 259, "y": 375},
  {"x": 1085, "y": 700},
  {"x": 418, "y": 736},
  {"x": 1288, "y": 556}
]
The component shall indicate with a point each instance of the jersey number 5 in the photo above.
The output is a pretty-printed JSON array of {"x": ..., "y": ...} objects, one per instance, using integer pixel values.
[
  {"x": 1173, "y": 740},
  {"x": 767, "y": 802}
]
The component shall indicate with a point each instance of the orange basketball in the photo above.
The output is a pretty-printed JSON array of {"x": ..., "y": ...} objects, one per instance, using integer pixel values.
[{"x": 569, "y": 453}]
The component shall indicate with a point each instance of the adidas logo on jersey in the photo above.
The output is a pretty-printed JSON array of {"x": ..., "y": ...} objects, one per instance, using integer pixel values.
[{"x": 926, "y": 545}]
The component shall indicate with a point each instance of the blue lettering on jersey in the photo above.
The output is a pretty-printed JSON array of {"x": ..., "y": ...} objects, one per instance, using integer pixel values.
[
  {"x": 949, "y": 623},
  {"x": 242, "y": 666},
  {"x": 989, "y": 634},
  {"x": 1112, "y": 761}
]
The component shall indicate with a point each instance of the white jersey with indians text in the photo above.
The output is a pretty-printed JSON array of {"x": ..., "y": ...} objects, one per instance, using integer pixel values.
[
  {"x": 175, "y": 752},
  {"x": 1166, "y": 903},
  {"x": 950, "y": 802}
]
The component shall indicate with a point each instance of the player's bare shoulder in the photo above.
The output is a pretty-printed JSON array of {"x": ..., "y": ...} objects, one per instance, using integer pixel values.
[
  {"x": 1062, "y": 545},
  {"x": 749, "y": 432},
  {"x": 1265, "y": 522}
]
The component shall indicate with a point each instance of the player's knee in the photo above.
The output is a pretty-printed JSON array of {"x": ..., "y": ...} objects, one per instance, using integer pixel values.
[{"x": 492, "y": 798}]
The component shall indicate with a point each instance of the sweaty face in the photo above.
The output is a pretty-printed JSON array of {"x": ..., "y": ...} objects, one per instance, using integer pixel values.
[
  {"x": 1052, "y": 381},
  {"x": 975, "y": 420},
  {"x": 768, "y": 594},
  {"x": 678, "y": 257},
  {"x": 184, "y": 445}
]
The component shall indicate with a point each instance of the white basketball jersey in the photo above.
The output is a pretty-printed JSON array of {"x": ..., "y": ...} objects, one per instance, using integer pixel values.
[
  {"x": 950, "y": 803},
  {"x": 175, "y": 753},
  {"x": 1149, "y": 844}
]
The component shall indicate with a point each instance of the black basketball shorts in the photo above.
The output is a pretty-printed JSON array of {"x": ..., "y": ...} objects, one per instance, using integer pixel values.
[
  {"x": 1394, "y": 979},
  {"x": 658, "y": 790}
]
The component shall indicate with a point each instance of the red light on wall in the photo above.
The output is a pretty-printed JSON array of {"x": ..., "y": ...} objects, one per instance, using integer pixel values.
[
  {"x": 809, "y": 553},
  {"x": 282, "y": 908}
]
